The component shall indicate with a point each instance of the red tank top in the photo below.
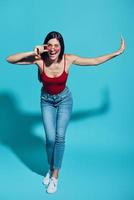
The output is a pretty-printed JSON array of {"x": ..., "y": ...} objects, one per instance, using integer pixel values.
[{"x": 54, "y": 85}]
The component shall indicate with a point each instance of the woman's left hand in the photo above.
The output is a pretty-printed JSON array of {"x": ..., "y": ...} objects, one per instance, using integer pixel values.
[{"x": 123, "y": 46}]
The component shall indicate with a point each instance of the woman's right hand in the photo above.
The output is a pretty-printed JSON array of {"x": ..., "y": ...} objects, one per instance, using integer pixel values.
[{"x": 40, "y": 49}]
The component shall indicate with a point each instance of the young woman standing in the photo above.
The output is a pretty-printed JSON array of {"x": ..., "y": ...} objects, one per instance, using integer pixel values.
[{"x": 56, "y": 98}]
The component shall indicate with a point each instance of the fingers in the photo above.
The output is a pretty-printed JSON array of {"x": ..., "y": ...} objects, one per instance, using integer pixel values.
[
  {"x": 39, "y": 49},
  {"x": 122, "y": 40},
  {"x": 122, "y": 47},
  {"x": 45, "y": 47},
  {"x": 36, "y": 50}
]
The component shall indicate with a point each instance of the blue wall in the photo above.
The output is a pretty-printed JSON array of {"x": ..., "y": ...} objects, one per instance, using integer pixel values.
[{"x": 99, "y": 157}]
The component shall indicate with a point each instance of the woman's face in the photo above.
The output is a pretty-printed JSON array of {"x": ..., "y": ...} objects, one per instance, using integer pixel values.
[{"x": 53, "y": 48}]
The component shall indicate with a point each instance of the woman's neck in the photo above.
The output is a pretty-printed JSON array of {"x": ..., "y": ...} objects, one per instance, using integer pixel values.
[{"x": 50, "y": 62}]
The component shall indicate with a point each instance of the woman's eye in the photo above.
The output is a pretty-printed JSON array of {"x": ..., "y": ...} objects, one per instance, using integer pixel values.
[
  {"x": 56, "y": 46},
  {"x": 49, "y": 45}
]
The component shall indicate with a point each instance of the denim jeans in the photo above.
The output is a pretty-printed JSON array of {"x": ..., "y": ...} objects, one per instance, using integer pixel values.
[{"x": 56, "y": 111}]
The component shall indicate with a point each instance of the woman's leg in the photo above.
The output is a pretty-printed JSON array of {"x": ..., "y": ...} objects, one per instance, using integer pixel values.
[
  {"x": 49, "y": 122},
  {"x": 64, "y": 111}
]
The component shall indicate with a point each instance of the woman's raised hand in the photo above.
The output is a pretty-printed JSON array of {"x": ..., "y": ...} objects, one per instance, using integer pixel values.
[
  {"x": 122, "y": 47},
  {"x": 40, "y": 49}
]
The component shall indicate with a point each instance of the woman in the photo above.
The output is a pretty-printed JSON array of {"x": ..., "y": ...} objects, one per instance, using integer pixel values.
[{"x": 56, "y": 99}]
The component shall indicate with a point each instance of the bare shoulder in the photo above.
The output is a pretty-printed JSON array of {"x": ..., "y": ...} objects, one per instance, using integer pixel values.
[{"x": 70, "y": 58}]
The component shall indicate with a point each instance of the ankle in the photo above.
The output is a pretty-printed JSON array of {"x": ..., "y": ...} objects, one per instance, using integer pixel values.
[{"x": 55, "y": 174}]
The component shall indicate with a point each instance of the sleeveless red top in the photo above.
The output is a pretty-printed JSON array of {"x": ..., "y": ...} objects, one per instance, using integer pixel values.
[{"x": 54, "y": 85}]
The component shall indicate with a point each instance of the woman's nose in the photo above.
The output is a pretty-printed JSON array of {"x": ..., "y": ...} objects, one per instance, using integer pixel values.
[{"x": 52, "y": 48}]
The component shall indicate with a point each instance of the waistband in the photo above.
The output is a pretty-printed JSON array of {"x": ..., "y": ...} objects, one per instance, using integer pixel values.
[{"x": 61, "y": 94}]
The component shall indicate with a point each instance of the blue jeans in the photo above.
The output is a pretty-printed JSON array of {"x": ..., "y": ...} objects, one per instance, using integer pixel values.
[{"x": 56, "y": 111}]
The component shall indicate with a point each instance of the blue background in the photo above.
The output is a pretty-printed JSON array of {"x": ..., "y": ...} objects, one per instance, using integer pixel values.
[{"x": 99, "y": 157}]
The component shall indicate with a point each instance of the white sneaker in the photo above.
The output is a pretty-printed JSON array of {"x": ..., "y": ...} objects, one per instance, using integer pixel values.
[
  {"x": 46, "y": 179},
  {"x": 52, "y": 187}
]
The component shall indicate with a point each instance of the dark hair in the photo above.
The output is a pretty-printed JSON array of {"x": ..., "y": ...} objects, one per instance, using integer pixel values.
[
  {"x": 50, "y": 36},
  {"x": 59, "y": 37}
]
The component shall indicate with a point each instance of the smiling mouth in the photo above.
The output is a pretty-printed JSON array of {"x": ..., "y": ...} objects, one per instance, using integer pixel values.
[{"x": 52, "y": 53}]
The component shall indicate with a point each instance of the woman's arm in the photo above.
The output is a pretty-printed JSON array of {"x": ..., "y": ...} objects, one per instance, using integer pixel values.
[
  {"x": 22, "y": 58},
  {"x": 98, "y": 60},
  {"x": 27, "y": 57}
]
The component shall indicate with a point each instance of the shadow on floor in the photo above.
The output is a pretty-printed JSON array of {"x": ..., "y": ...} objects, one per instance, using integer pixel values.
[{"x": 16, "y": 131}]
